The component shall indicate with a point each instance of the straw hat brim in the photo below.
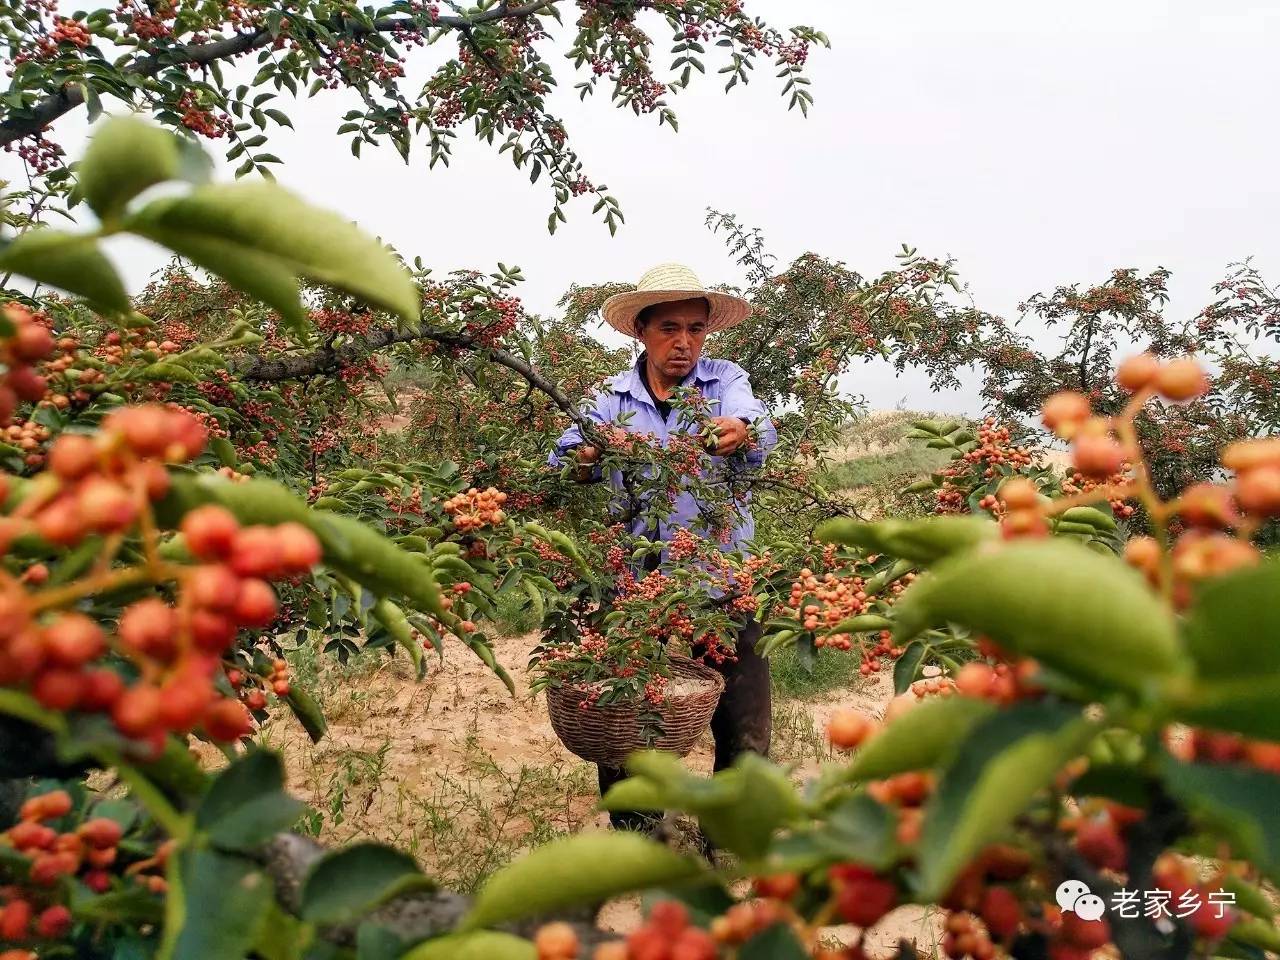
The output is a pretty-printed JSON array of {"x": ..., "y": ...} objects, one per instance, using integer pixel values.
[{"x": 620, "y": 310}]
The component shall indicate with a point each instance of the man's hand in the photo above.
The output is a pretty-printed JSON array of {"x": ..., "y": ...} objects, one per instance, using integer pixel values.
[
  {"x": 586, "y": 457},
  {"x": 731, "y": 433}
]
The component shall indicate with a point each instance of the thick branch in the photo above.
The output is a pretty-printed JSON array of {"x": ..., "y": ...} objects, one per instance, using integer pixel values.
[
  {"x": 327, "y": 359},
  {"x": 413, "y": 916},
  {"x": 71, "y": 96}
]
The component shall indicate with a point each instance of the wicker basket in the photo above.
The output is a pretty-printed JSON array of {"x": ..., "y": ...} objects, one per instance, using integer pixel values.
[{"x": 608, "y": 733}]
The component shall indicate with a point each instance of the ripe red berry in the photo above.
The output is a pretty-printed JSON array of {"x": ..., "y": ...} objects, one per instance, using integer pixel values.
[
  {"x": 975, "y": 679},
  {"x": 102, "y": 688},
  {"x": 22, "y": 659},
  {"x": 556, "y": 941},
  {"x": 227, "y": 720},
  {"x": 779, "y": 886},
  {"x": 60, "y": 522},
  {"x": 849, "y": 728},
  {"x": 1206, "y": 921},
  {"x": 149, "y": 626},
  {"x": 147, "y": 429},
  {"x": 27, "y": 385},
  {"x": 1137, "y": 372},
  {"x": 1182, "y": 379},
  {"x": 1100, "y": 843},
  {"x": 58, "y": 689},
  {"x": 46, "y": 868},
  {"x": 1207, "y": 505},
  {"x": 73, "y": 640},
  {"x": 29, "y": 835},
  {"x": 1001, "y": 912},
  {"x": 1258, "y": 491},
  {"x": 54, "y": 922},
  {"x": 299, "y": 548},
  {"x": 15, "y": 920},
  {"x": 255, "y": 700},
  {"x": 99, "y": 881},
  {"x": 694, "y": 944},
  {"x": 1064, "y": 412},
  {"x": 137, "y": 712},
  {"x": 864, "y": 900},
  {"x": 183, "y": 700},
  {"x": 1088, "y": 934},
  {"x": 648, "y": 944},
  {"x": 1097, "y": 456},
  {"x": 256, "y": 552},
  {"x": 669, "y": 917},
  {"x": 256, "y": 603},
  {"x": 212, "y": 632},
  {"x": 100, "y": 832},
  {"x": 72, "y": 456},
  {"x": 31, "y": 342},
  {"x": 210, "y": 532},
  {"x": 106, "y": 506},
  {"x": 213, "y": 586}
]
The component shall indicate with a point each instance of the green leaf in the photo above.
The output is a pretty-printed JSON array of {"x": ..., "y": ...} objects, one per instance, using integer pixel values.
[
  {"x": 261, "y": 238},
  {"x": 1234, "y": 617},
  {"x": 1247, "y": 705},
  {"x": 776, "y": 943},
  {"x": 392, "y": 617},
  {"x": 924, "y": 541},
  {"x": 1249, "y": 897},
  {"x": 225, "y": 451},
  {"x": 1238, "y": 801},
  {"x": 908, "y": 665},
  {"x": 344, "y": 885},
  {"x": 69, "y": 262},
  {"x": 1007, "y": 759},
  {"x": 860, "y": 830},
  {"x": 170, "y": 372},
  {"x": 582, "y": 869},
  {"x": 918, "y": 739},
  {"x": 480, "y": 945},
  {"x": 308, "y": 712},
  {"x": 125, "y": 157},
  {"x": 247, "y": 805},
  {"x": 1092, "y": 617},
  {"x": 226, "y": 900},
  {"x": 766, "y": 801}
]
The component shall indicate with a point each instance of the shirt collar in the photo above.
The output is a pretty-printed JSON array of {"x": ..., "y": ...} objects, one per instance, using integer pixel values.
[{"x": 632, "y": 381}]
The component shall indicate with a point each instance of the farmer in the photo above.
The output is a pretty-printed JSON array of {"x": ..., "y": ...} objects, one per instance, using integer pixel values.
[{"x": 671, "y": 314}]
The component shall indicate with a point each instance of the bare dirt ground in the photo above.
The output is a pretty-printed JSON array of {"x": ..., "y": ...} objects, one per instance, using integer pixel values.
[{"x": 465, "y": 776}]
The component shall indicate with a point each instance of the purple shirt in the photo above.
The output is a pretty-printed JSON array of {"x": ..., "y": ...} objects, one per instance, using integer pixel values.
[{"x": 720, "y": 381}]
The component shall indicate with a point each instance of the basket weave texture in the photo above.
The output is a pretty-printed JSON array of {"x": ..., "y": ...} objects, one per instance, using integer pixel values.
[{"x": 608, "y": 733}]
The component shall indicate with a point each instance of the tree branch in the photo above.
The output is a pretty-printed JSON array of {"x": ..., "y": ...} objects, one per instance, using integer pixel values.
[
  {"x": 329, "y": 358},
  {"x": 71, "y": 95}
]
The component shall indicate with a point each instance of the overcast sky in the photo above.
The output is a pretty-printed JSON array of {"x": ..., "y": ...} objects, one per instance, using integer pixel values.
[{"x": 1039, "y": 143}]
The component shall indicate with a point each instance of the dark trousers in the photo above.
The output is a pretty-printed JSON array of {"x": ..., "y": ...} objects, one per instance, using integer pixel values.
[{"x": 742, "y": 723}]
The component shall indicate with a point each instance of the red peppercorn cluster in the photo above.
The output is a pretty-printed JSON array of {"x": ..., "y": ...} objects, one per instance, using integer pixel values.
[
  {"x": 821, "y": 602},
  {"x": 35, "y": 909},
  {"x": 104, "y": 484},
  {"x": 30, "y": 342},
  {"x": 977, "y": 467},
  {"x": 476, "y": 509}
]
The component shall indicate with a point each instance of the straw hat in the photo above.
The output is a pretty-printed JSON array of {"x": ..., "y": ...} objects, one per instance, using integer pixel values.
[{"x": 667, "y": 283}]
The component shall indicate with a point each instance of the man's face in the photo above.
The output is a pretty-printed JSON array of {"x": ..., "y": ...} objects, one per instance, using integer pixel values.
[{"x": 674, "y": 335}]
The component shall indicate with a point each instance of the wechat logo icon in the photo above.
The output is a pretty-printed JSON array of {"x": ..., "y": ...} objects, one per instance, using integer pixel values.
[{"x": 1076, "y": 897}]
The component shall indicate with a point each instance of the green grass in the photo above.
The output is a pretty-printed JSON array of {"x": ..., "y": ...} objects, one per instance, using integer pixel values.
[
  {"x": 515, "y": 614},
  {"x": 877, "y": 468},
  {"x": 832, "y": 670}
]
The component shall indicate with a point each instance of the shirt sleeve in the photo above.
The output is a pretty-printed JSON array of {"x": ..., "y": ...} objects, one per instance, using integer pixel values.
[
  {"x": 598, "y": 412},
  {"x": 737, "y": 400}
]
